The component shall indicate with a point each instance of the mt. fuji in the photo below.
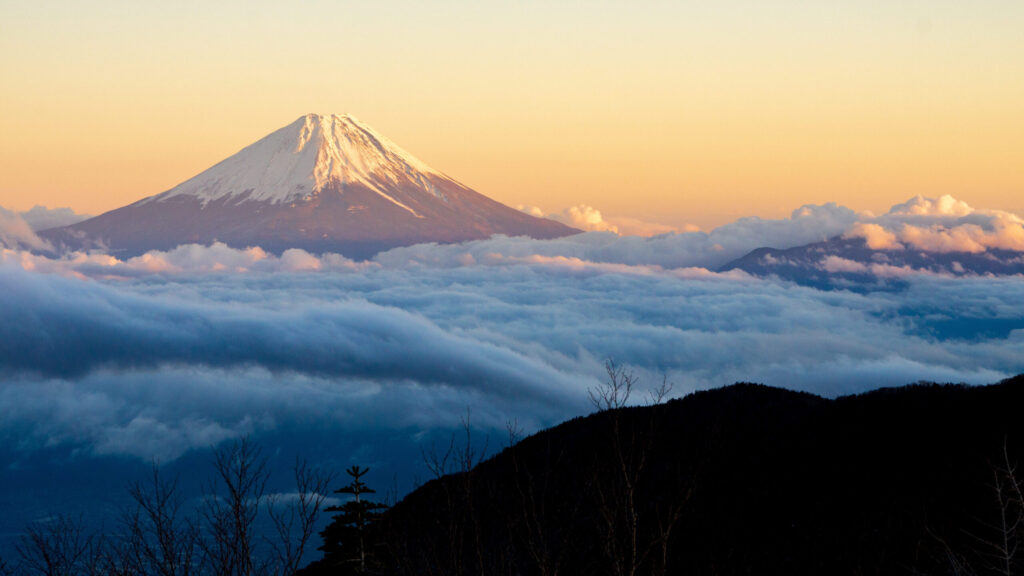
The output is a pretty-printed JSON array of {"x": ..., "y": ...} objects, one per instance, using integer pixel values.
[{"x": 324, "y": 183}]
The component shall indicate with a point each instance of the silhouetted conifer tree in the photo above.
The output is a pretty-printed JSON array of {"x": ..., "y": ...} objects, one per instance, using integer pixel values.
[{"x": 346, "y": 539}]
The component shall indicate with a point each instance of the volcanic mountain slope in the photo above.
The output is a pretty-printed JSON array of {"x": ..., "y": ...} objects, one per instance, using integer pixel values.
[{"x": 324, "y": 183}]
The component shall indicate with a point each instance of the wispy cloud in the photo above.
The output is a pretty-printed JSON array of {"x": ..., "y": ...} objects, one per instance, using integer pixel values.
[
  {"x": 589, "y": 218},
  {"x": 16, "y": 233},
  {"x": 42, "y": 218}
]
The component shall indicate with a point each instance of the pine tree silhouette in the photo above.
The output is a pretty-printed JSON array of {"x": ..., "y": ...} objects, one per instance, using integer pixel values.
[{"x": 345, "y": 539}]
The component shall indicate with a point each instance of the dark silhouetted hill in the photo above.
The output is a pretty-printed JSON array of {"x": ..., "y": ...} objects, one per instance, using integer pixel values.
[{"x": 746, "y": 479}]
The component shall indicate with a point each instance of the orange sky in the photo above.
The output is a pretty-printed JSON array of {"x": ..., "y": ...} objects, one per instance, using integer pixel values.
[{"x": 675, "y": 112}]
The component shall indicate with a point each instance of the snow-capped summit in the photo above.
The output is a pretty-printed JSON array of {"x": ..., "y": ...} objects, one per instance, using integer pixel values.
[
  {"x": 324, "y": 183},
  {"x": 301, "y": 159}
]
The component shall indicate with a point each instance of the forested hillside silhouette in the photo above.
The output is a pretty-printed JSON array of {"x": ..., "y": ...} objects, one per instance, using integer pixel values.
[{"x": 741, "y": 480}]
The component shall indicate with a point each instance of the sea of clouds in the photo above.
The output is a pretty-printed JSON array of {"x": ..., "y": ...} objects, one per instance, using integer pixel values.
[
  {"x": 108, "y": 365},
  {"x": 155, "y": 356}
]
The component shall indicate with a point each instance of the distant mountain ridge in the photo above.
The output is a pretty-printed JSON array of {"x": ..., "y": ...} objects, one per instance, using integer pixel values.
[
  {"x": 840, "y": 261},
  {"x": 937, "y": 236},
  {"x": 324, "y": 183}
]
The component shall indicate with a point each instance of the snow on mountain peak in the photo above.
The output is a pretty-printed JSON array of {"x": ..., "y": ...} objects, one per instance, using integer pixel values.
[{"x": 298, "y": 161}]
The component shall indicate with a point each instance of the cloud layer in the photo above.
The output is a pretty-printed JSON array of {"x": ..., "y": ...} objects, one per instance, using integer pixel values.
[
  {"x": 171, "y": 351},
  {"x": 162, "y": 364}
]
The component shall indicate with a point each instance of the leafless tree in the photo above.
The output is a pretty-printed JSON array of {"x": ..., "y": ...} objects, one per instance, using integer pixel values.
[
  {"x": 58, "y": 546},
  {"x": 659, "y": 394},
  {"x": 615, "y": 391},
  {"x": 533, "y": 514},
  {"x": 458, "y": 459},
  {"x": 624, "y": 521},
  {"x": 439, "y": 462},
  {"x": 1000, "y": 553},
  {"x": 514, "y": 432},
  {"x": 157, "y": 538},
  {"x": 230, "y": 509},
  {"x": 957, "y": 564},
  {"x": 295, "y": 521},
  {"x": 997, "y": 542},
  {"x": 458, "y": 456}
]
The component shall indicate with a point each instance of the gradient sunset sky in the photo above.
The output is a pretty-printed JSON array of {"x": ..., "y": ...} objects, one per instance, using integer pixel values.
[{"x": 676, "y": 112}]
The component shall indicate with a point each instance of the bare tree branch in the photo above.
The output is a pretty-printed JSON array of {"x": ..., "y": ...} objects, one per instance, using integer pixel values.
[
  {"x": 157, "y": 538},
  {"x": 230, "y": 509},
  {"x": 515, "y": 432},
  {"x": 615, "y": 391},
  {"x": 658, "y": 395},
  {"x": 295, "y": 522},
  {"x": 57, "y": 546}
]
